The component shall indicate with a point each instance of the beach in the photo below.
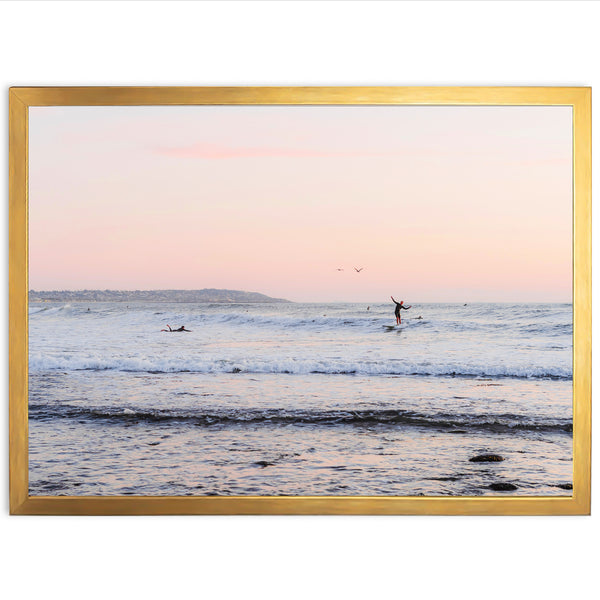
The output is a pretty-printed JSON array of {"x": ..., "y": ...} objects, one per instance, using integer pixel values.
[{"x": 300, "y": 399}]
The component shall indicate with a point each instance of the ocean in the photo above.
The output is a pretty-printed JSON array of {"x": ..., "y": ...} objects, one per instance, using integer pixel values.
[{"x": 299, "y": 399}]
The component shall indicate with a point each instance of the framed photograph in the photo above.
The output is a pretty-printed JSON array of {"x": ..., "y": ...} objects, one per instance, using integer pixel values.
[{"x": 381, "y": 300}]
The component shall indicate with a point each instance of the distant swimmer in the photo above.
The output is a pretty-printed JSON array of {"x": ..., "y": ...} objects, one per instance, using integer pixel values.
[
  {"x": 358, "y": 270},
  {"x": 399, "y": 306},
  {"x": 419, "y": 317}
]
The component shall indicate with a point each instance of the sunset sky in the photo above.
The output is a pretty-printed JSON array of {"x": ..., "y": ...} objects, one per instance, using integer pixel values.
[{"x": 435, "y": 204}]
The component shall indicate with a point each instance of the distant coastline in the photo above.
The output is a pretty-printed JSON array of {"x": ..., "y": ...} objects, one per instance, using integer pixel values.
[{"x": 204, "y": 295}]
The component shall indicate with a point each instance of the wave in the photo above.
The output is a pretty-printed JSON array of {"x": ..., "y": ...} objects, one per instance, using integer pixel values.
[
  {"x": 236, "y": 315},
  {"x": 314, "y": 319},
  {"x": 49, "y": 310},
  {"x": 366, "y": 418},
  {"x": 70, "y": 362}
]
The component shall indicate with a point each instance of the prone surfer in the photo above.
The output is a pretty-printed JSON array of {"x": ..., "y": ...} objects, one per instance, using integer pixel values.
[
  {"x": 182, "y": 328},
  {"x": 399, "y": 306}
]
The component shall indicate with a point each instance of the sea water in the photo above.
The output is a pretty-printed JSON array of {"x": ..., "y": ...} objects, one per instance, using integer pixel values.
[{"x": 299, "y": 399}]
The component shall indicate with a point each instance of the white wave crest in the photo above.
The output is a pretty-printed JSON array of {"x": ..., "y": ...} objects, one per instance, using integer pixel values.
[
  {"x": 49, "y": 310},
  {"x": 69, "y": 362}
]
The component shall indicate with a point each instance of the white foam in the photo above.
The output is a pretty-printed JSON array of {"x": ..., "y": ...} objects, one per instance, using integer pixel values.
[
  {"x": 69, "y": 362},
  {"x": 479, "y": 340}
]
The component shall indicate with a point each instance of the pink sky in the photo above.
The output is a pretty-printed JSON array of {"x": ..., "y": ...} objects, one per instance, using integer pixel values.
[{"x": 435, "y": 203}]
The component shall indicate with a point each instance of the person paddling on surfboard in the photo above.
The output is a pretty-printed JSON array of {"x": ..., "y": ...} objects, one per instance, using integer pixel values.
[
  {"x": 182, "y": 328},
  {"x": 399, "y": 306}
]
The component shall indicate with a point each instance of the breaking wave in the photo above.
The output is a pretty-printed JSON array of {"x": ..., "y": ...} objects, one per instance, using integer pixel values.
[
  {"x": 236, "y": 417},
  {"x": 76, "y": 362}
]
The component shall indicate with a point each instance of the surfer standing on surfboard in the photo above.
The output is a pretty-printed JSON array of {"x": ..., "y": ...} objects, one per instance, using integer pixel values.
[{"x": 399, "y": 305}]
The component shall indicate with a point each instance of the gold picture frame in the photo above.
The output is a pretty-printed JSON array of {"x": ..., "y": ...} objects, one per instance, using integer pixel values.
[{"x": 21, "y": 98}]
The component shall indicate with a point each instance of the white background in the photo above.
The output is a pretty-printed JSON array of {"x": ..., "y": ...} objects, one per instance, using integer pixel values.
[{"x": 303, "y": 43}]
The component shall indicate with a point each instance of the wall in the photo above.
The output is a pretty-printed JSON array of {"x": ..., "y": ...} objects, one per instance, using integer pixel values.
[{"x": 316, "y": 43}]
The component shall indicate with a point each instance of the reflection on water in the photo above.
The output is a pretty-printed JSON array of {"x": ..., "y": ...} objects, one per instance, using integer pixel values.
[
  {"x": 304, "y": 399},
  {"x": 197, "y": 434}
]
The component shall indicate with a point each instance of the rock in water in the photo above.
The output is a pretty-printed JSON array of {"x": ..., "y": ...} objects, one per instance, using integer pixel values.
[
  {"x": 503, "y": 487},
  {"x": 565, "y": 486},
  {"x": 486, "y": 458}
]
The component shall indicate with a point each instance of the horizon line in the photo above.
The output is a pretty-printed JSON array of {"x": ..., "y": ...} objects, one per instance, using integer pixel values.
[{"x": 344, "y": 301}]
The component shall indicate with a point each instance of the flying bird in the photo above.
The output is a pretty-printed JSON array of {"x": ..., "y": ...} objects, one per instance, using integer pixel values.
[{"x": 358, "y": 270}]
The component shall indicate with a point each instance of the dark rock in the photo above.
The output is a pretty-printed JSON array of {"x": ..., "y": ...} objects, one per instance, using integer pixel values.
[
  {"x": 503, "y": 487},
  {"x": 486, "y": 458},
  {"x": 565, "y": 486}
]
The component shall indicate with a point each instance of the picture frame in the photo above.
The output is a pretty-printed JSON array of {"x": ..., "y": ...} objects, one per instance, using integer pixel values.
[{"x": 21, "y": 99}]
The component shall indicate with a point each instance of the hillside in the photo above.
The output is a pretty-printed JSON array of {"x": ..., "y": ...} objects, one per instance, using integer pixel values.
[{"x": 205, "y": 295}]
